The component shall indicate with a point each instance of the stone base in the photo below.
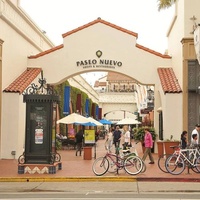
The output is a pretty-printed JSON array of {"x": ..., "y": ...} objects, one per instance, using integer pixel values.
[{"x": 39, "y": 168}]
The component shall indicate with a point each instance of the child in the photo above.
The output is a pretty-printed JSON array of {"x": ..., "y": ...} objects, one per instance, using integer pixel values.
[{"x": 194, "y": 140}]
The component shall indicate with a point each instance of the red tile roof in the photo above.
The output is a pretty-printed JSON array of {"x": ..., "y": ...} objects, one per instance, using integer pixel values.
[
  {"x": 99, "y": 84},
  {"x": 47, "y": 51},
  {"x": 115, "y": 77},
  {"x": 99, "y": 20},
  {"x": 23, "y": 81},
  {"x": 153, "y": 52},
  {"x": 169, "y": 81}
]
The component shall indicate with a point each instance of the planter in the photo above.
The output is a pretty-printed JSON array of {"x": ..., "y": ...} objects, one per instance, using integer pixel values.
[
  {"x": 167, "y": 145},
  {"x": 160, "y": 146}
]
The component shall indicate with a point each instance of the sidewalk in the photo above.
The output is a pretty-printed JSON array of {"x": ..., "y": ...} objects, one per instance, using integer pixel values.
[{"x": 75, "y": 168}]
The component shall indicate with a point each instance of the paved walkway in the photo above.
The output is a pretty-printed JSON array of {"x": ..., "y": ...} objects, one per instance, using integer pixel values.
[{"x": 76, "y": 168}]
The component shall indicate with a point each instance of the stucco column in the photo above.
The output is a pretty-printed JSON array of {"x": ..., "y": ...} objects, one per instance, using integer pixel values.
[
  {"x": 188, "y": 54},
  {"x": 1, "y": 59}
]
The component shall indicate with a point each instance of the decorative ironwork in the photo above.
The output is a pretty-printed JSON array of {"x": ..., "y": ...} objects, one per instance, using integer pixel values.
[
  {"x": 21, "y": 159},
  {"x": 43, "y": 88}
]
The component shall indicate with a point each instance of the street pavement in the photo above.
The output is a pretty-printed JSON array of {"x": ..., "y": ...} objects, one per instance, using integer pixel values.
[
  {"x": 100, "y": 190},
  {"x": 77, "y": 169}
]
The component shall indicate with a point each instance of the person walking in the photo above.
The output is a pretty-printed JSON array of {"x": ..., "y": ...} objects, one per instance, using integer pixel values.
[
  {"x": 127, "y": 137},
  {"x": 109, "y": 139},
  {"x": 148, "y": 143},
  {"x": 196, "y": 132},
  {"x": 117, "y": 137},
  {"x": 79, "y": 141},
  {"x": 184, "y": 140}
]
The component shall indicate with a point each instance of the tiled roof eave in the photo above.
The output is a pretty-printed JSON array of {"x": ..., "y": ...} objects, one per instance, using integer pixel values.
[
  {"x": 168, "y": 80},
  {"x": 23, "y": 81},
  {"x": 99, "y": 20}
]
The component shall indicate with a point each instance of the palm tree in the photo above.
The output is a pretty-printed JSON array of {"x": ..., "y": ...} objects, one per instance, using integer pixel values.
[{"x": 163, "y": 4}]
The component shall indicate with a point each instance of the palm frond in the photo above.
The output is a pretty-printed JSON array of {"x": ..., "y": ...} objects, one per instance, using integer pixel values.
[{"x": 164, "y": 4}]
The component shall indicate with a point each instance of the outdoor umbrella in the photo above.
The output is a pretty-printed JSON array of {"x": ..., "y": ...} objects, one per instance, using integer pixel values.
[
  {"x": 92, "y": 120},
  {"x": 105, "y": 122},
  {"x": 128, "y": 121},
  {"x": 73, "y": 118}
]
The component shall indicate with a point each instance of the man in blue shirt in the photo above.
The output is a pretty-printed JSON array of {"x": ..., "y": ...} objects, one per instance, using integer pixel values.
[{"x": 116, "y": 137}]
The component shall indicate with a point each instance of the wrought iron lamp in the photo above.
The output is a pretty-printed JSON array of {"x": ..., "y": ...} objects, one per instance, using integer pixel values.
[{"x": 150, "y": 94}]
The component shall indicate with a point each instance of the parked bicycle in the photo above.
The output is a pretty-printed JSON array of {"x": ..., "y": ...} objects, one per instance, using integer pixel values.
[
  {"x": 177, "y": 162},
  {"x": 132, "y": 164},
  {"x": 123, "y": 153},
  {"x": 162, "y": 159}
]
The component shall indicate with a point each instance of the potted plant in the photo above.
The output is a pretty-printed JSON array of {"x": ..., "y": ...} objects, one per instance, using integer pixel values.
[
  {"x": 139, "y": 134},
  {"x": 168, "y": 143}
]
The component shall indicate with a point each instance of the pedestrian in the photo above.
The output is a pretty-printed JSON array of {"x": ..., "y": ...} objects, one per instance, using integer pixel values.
[
  {"x": 194, "y": 141},
  {"x": 183, "y": 139},
  {"x": 127, "y": 137},
  {"x": 109, "y": 139},
  {"x": 196, "y": 131},
  {"x": 117, "y": 137},
  {"x": 148, "y": 144},
  {"x": 79, "y": 141}
]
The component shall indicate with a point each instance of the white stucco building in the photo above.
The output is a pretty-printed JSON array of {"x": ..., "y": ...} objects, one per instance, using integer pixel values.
[{"x": 25, "y": 50}]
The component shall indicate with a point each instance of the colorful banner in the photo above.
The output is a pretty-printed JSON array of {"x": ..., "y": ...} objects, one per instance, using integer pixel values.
[{"x": 66, "y": 100}]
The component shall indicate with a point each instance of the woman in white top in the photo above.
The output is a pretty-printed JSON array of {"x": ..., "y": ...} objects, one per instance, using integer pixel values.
[
  {"x": 127, "y": 137},
  {"x": 109, "y": 139}
]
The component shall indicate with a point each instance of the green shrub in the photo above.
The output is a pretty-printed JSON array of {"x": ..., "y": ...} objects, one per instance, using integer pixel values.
[
  {"x": 139, "y": 133},
  {"x": 58, "y": 145}
]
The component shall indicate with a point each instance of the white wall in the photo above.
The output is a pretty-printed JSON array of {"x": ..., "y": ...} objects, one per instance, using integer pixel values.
[
  {"x": 21, "y": 38},
  {"x": 13, "y": 125}
]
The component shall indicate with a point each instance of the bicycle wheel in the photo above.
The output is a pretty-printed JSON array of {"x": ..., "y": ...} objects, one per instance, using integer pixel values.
[
  {"x": 100, "y": 166},
  {"x": 144, "y": 167},
  {"x": 175, "y": 164},
  {"x": 197, "y": 164},
  {"x": 112, "y": 166},
  {"x": 133, "y": 165},
  {"x": 161, "y": 162}
]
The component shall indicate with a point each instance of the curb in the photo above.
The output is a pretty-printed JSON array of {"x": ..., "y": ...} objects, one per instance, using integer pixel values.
[
  {"x": 167, "y": 179},
  {"x": 99, "y": 179},
  {"x": 69, "y": 179}
]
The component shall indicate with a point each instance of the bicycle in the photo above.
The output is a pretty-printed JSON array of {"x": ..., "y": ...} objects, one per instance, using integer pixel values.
[
  {"x": 132, "y": 164},
  {"x": 162, "y": 159},
  {"x": 176, "y": 163},
  {"x": 124, "y": 153}
]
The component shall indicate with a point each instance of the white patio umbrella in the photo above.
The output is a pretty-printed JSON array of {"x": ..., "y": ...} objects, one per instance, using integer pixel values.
[
  {"x": 128, "y": 121},
  {"x": 92, "y": 120},
  {"x": 73, "y": 118}
]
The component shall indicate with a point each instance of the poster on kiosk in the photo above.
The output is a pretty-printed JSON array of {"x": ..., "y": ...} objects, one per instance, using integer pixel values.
[{"x": 89, "y": 136}]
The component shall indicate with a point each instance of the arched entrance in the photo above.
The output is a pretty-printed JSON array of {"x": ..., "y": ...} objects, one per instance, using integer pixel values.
[{"x": 102, "y": 46}]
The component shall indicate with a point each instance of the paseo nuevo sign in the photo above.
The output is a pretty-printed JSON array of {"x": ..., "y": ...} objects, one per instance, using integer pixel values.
[{"x": 99, "y": 63}]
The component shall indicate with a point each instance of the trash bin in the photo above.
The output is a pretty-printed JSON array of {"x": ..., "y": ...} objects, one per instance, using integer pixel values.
[{"x": 87, "y": 153}]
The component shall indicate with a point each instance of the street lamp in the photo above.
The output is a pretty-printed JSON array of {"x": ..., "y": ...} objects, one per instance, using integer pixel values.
[
  {"x": 150, "y": 94},
  {"x": 150, "y": 97}
]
